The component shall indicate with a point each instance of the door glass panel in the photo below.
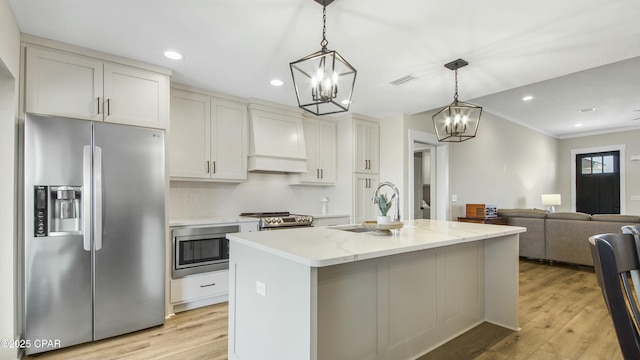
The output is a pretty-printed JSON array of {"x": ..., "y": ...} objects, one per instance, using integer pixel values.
[
  {"x": 586, "y": 165},
  {"x": 596, "y": 165},
  {"x": 607, "y": 166}
]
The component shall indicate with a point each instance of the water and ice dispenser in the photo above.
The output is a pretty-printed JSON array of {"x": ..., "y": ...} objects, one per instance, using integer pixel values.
[{"x": 57, "y": 210}]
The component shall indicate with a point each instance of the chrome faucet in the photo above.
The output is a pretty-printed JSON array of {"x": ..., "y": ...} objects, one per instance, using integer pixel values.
[{"x": 396, "y": 217}]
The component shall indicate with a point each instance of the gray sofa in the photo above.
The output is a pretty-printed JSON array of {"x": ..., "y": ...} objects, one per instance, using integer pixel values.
[{"x": 562, "y": 236}]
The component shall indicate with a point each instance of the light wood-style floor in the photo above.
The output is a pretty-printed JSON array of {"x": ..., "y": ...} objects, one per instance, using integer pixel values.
[{"x": 562, "y": 317}]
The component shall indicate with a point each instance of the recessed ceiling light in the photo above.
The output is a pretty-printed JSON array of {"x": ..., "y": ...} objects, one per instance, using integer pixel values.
[
  {"x": 587, "y": 110},
  {"x": 527, "y": 98},
  {"x": 276, "y": 82},
  {"x": 578, "y": 125},
  {"x": 173, "y": 55}
]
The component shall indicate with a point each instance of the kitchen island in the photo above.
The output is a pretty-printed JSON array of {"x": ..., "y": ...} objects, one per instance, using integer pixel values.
[{"x": 329, "y": 293}]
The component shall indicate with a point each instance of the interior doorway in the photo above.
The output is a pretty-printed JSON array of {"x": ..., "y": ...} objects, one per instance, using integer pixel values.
[
  {"x": 422, "y": 182},
  {"x": 428, "y": 159}
]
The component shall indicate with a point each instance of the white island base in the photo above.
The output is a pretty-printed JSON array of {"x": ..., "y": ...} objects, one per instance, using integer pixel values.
[{"x": 321, "y": 293}]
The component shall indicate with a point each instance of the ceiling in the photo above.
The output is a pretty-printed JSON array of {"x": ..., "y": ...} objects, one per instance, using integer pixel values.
[{"x": 569, "y": 55}]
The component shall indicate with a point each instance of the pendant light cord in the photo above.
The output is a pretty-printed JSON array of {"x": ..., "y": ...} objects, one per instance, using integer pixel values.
[
  {"x": 455, "y": 94},
  {"x": 324, "y": 41}
]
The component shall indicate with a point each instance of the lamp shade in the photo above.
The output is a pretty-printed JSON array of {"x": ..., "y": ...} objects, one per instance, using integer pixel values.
[{"x": 551, "y": 199}]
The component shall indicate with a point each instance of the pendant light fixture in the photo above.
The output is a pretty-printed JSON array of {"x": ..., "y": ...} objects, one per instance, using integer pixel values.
[
  {"x": 458, "y": 121},
  {"x": 323, "y": 80}
]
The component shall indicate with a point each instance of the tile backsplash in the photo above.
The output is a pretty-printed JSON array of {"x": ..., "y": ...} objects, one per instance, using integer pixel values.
[{"x": 261, "y": 192}]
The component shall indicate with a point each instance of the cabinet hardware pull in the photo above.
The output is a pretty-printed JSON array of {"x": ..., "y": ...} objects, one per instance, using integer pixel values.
[
  {"x": 98, "y": 105},
  {"x": 208, "y": 168},
  {"x": 317, "y": 173},
  {"x": 321, "y": 174},
  {"x": 108, "y": 107},
  {"x": 214, "y": 167},
  {"x": 207, "y": 285}
]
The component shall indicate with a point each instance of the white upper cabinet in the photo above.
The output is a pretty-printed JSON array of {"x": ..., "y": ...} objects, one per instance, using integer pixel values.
[
  {"x": 321, "y": 143},
  {"x": 366, "y": 146},
  {"x": 190, "y": 136},
  {"x": 135, "y": 96},
  {"x": 70, "y": 85},
  {"x": 229, "y": 131},
  {"x": 64, "y": 85},
  {"x": 208, "y": 138}
]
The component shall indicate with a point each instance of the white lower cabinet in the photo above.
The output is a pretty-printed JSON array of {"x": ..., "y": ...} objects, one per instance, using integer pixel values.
[{"x": 198, "y": 290}]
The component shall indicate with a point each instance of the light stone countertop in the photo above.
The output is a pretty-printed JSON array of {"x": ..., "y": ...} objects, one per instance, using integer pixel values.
[
  {"x": 211, "y": 221},
  {"x": 325, "y": 246},
  {"x": 233, "y": 219}
]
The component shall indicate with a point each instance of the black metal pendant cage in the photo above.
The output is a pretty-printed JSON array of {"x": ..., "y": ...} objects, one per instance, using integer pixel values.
[
  {"x": 459, "y": 120},
  {"x": 323, "y": 82}
]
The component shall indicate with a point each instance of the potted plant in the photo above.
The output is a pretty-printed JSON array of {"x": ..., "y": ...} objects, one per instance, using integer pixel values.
[{"x": 384, "y": 205}]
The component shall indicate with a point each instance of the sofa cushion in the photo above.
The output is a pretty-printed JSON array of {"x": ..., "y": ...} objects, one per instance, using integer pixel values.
[
  {"x": 569, "y": 216},
  {"x": 616, "y": 218},
  {"x": 528, "y": 213}
]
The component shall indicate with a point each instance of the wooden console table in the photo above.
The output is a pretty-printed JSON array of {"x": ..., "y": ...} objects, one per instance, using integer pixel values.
[{"x": 495, "y": 220}]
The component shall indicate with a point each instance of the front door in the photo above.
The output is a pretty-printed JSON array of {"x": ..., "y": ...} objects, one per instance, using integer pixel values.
[{"x": 598, "y": 183}]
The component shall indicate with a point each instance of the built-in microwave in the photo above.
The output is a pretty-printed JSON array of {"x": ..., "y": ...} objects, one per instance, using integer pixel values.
[{"x": 200, "y": 249}]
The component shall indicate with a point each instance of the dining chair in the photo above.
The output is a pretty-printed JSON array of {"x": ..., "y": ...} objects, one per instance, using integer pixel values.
[
  {"x": 615, "y": 256},
  {"x": 635, "y": 274}
]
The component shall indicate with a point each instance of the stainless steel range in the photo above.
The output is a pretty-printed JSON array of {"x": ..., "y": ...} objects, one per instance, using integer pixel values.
[{"x": 280, "y": 220}]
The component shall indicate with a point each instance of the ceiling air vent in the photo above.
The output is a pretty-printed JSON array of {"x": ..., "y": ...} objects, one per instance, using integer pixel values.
[{"x": 403, "y": 80}]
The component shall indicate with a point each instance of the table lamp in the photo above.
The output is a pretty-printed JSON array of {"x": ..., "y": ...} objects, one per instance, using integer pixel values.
[{"x": 551, "y": 200}]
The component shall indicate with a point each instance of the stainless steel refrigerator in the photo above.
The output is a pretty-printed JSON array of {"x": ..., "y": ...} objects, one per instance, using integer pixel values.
[{"x": 94, "y": 231}]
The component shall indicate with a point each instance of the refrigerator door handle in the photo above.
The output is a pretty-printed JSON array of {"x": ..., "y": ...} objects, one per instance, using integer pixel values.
[
  {"x": 97, "y": 191},
  {"x": 86, "y": 197}
]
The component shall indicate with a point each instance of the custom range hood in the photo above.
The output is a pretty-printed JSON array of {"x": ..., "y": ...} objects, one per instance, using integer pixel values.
[{"x": 276, "y": 138}]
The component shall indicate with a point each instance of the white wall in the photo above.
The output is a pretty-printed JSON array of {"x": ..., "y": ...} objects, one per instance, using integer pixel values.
[
  {"x": 506, "y": 165},
  {"x": 632, "y": 147},
  {"x": 9, "y": 70},
  {"x": 394, "y": 160}
]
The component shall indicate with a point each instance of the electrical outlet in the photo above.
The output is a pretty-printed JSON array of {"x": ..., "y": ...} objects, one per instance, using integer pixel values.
[
  {"x": 261, "y": 288},
  {"x": 454, "y": 197},
  {"x": 192, "y": 198}
]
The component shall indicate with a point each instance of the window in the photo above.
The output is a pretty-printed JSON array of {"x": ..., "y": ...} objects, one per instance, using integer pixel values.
[{"x": 593, "y": 165}]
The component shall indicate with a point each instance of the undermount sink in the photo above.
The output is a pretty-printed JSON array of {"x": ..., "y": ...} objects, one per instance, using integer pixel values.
[
  {"x": 370, "y": 226},
  {"x": 357, "y": 229}
]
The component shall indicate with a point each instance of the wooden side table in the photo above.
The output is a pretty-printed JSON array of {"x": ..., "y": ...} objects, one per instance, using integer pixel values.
[{"x": 495, "y": 220}]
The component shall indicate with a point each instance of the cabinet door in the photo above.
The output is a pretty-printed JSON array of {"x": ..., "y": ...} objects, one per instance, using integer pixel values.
[
  {"x": 363, "y": 187},
  {"x": 135, "y": 96},
  {"x": 189, "y": 144},
  {"x": 326, "y": 151},
  {"x": 373, "y": 147},
  {"x": 366, "y": 147},
  {"x": 63, "y": 85},
  {"x": 310, "y": 128},
  {"x": 229, "y": 140}
]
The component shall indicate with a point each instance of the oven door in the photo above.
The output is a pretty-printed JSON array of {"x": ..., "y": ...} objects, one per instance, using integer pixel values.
[{"x": 198, "y": 250}]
